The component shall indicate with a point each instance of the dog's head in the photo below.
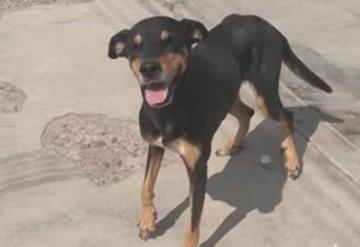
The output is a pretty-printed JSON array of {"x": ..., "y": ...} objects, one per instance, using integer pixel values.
[{"x": 157, "y": 49}]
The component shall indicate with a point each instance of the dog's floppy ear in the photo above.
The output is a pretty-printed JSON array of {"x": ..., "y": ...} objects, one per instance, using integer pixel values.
[
  {"x": 117, "y": 45},
  {"x": 196, "y": 30}
]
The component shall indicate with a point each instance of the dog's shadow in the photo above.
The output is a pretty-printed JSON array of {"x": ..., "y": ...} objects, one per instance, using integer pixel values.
[{"x": 253, "y": 179}]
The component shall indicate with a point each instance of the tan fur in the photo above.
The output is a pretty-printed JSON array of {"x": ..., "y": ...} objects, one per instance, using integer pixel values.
[
  {"x": 174, "y": 63},
  {"x": 261, "y": 105},
  {"x": 243, "y": 114},
  {"x": 288, "y": 146},
  {"x": 259, "y": 100},
  {"x": 189, "y": 152},
  {"x": 197, "y": 35},
  {"x": 150, "y": 139},
  {"x": 291, "y": 158},
  {"x": 148, "y": 217},
  {"x": 135, "y": 66},
  {"x": 138, "y": 39},
  {"x": 164, "y": 35},
  {"x": 191, "y": 238}
]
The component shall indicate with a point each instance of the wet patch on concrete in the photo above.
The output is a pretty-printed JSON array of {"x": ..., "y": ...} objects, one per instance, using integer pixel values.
[
  {"x": 107, "y": 150},
  {"x": 12, "y": 98}
]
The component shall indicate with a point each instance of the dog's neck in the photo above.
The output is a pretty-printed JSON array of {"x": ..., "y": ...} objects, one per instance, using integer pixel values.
[
  {"x": 160, "y": 115},
  {"x": 164, "y": 118}
]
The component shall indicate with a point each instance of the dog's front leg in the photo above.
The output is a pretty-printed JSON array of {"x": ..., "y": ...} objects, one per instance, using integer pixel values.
[
  {"x": 148, "y": 217},
  {"x": 198, "y": 178},
  {"x": 195, "y": 159}
]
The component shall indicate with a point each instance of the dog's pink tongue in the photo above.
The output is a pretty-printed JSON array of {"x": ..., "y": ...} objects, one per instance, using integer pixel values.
[{"x": 155, "y": 97}]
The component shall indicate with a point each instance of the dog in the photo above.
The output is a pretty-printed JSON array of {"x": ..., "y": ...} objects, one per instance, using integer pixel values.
[{"x": 190, "y": 79}]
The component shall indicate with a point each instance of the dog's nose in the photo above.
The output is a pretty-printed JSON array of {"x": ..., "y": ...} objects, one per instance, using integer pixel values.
[{"x": 150, "y": 69}]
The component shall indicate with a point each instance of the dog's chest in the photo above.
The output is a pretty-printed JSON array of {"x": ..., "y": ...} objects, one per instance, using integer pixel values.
[
  {"x": 159, "y": 142},
  {"x": 177, "y": 145}
]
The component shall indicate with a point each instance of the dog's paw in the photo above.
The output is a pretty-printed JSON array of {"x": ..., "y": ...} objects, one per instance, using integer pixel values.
[
  {"x": 294, "y": 172},
  {"x": 228, "y": 150},
  {"x": 147, "y": 224},
  {"x": 292, "y": 166}
]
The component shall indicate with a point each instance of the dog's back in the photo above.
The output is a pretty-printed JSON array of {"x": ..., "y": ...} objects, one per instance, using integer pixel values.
[{"x": 251, "y": 38}]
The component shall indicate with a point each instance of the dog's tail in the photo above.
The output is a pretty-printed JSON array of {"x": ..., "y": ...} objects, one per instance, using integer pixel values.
[{"x": 300, "y": 69}]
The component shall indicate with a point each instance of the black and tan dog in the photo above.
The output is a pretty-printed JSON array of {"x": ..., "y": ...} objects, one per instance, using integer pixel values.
[{"x": 190, "y": 80}]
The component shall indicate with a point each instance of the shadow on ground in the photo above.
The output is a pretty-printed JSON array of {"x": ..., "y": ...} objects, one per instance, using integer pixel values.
[{"x": 244, "y": 183}]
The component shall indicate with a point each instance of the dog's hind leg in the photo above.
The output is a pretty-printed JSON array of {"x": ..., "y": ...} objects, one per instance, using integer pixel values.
[
  {"x": 288, "y": 148},
  {"x": 243, "y": 114},
  {"x": 266, "y": 81},
  {"x": 148, "y": 217}
]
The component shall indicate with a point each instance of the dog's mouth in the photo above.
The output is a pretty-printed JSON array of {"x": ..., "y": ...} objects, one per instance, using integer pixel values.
[{"x": 157, "y": 94}]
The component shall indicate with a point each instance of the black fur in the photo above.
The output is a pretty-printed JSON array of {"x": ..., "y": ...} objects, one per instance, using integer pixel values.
[{"x": 239, "y": 48}]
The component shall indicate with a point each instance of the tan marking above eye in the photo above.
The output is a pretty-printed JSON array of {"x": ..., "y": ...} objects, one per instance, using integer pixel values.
[
  {"x": 164, "y": 35},
  {"x": 137, "y": 39},
  {"x": 197, "y": 35}
]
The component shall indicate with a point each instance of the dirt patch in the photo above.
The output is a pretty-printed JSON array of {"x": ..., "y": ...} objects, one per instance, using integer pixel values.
[
  {"x": 12, "y": 98},
  {"x": 107, "y": 150},
  {"x": 13, "y": 5}
]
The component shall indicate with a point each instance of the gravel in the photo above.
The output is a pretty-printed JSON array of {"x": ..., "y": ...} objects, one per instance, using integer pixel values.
[{"x": 107, "y": 150}]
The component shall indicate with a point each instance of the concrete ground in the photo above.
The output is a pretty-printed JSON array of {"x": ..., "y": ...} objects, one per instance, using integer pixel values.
[{"x": 51, "y": 194}]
